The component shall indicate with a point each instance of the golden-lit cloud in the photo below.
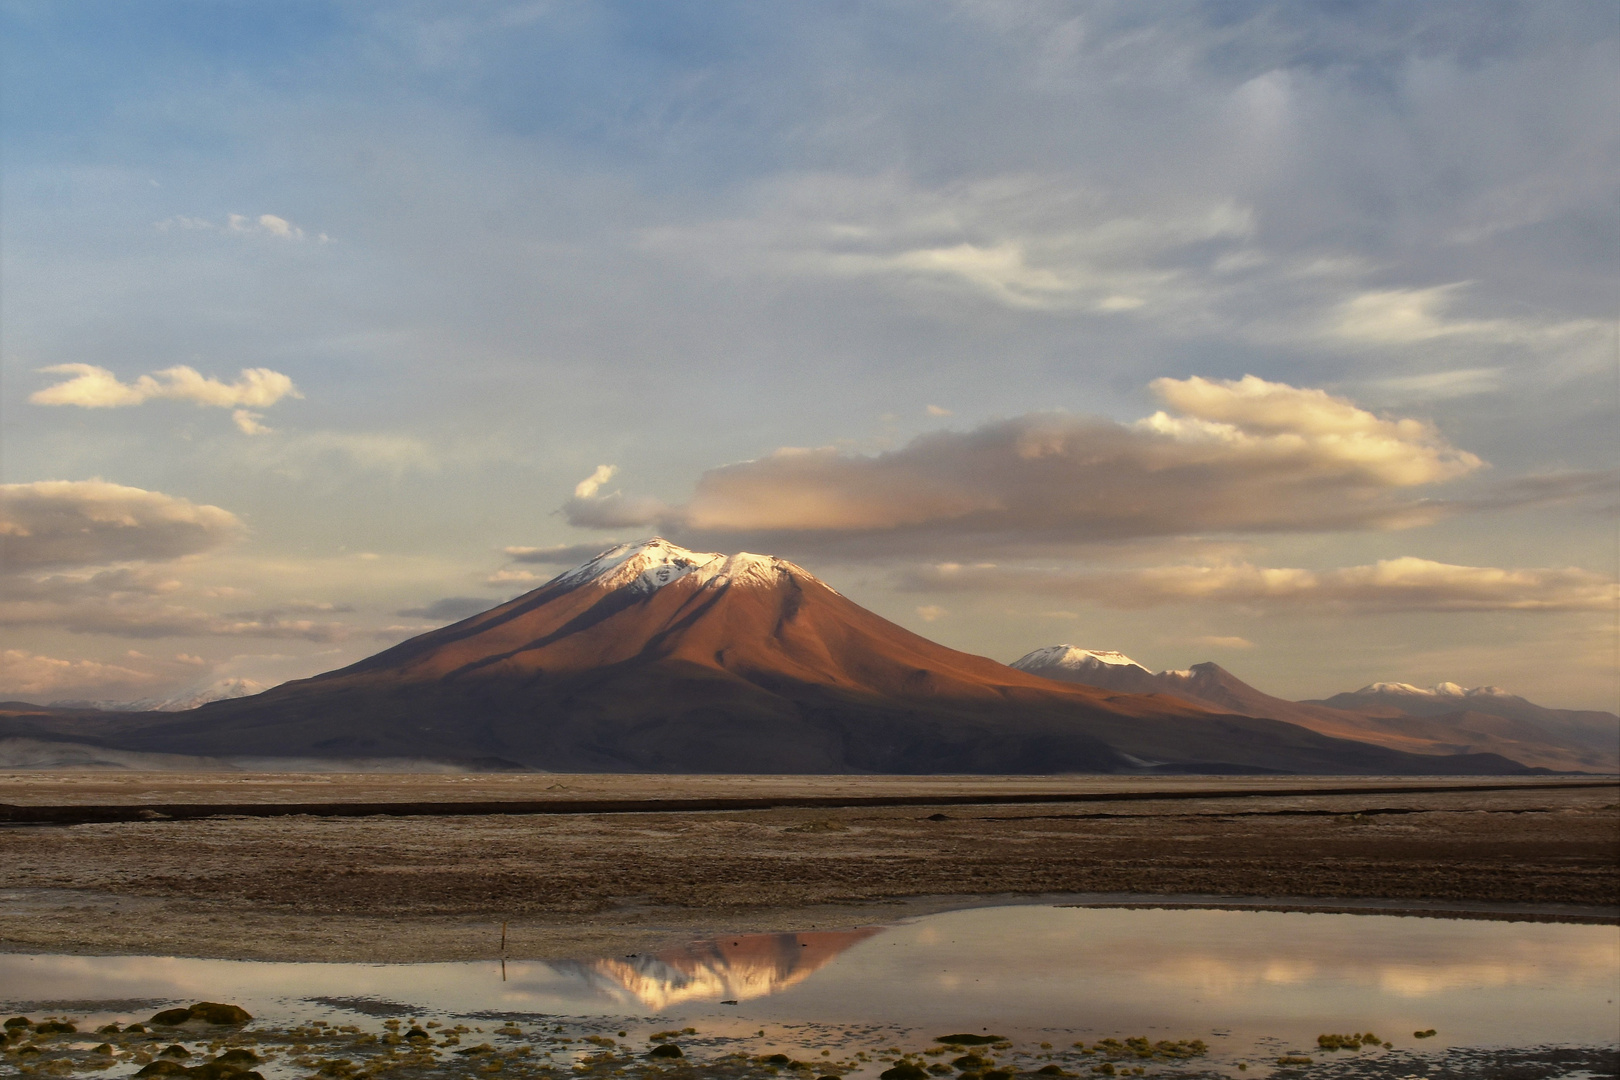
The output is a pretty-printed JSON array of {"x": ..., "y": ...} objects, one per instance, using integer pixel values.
[
  {"x": 94, "y": 387},
  {"x": 1251, "y": 416},
  {"x": 588, "y": 487},
  {"x": 1223, "y": 456},
  {"x": 30, "y": 674}
]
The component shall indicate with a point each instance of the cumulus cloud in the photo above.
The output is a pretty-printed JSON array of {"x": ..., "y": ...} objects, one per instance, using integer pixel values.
[
  {"x": 27, "y": 675},
  {"x": 1253, "y": 416},
  {"x": 94, "y": 387},
  {"x": 1404, "y": 584},
  {"x": 1225, "y": 456},
  {"x": 93, "y": 522},
  {"x": 588, "y": 487}
]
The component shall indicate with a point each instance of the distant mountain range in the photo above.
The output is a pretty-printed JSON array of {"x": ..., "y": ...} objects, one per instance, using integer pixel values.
[
  {"x": 1446, "y": 719},
  {"x": 189, "y": 698},
  {"x": 654, "y": 658}
]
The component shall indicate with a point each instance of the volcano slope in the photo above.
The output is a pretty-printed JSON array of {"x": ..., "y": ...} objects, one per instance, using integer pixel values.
[{"x": 652, "y": 658}]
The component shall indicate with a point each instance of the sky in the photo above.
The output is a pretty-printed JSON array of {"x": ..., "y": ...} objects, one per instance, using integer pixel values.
[{"x": 1276, "y": 334}]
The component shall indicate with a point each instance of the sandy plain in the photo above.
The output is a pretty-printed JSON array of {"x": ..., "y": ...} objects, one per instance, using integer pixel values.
[{"x": 439, "y": 886}]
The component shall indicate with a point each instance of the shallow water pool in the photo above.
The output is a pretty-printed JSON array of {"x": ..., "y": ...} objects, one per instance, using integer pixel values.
[{"x": 1254, "y": 985}]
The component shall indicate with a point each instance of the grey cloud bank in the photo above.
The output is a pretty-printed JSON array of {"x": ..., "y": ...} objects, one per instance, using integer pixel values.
[{"x": 82, "y": 523}]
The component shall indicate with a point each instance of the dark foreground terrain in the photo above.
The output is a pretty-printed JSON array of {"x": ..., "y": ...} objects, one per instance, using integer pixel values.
[
  {"x": 439, "y": 887},
  {"x": 512, "y": 1045}
]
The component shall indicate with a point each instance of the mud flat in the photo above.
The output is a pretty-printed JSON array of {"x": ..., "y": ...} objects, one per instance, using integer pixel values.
[{"x": 439, "y": 886}]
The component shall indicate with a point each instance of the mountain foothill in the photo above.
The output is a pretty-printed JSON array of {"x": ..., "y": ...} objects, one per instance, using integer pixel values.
[{"x": 653, "y": 658}]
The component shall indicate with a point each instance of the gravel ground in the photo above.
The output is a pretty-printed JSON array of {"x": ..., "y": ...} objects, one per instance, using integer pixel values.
[{"x": 438, "y": 888}]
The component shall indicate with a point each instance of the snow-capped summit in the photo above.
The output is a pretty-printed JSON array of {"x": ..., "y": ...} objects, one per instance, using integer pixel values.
[
  {"x": 1073, "y": 658},
  {"x": 646, "y": 566}
]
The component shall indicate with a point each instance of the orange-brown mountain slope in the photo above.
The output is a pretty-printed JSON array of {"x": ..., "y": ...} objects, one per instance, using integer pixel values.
[{"x": 654, "y": 658}]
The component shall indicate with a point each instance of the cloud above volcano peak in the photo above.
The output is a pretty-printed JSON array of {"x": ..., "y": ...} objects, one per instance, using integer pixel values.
[{"x": 1224, "y": 456}]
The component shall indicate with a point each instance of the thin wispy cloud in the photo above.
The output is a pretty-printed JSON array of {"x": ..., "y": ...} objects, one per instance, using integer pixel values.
[
  {"x": 267, "y": 225},
  {"x": 1405, "y": 584}
]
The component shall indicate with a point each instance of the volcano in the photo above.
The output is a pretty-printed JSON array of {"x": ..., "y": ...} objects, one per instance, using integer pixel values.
[{"x": 653, "y": 658}]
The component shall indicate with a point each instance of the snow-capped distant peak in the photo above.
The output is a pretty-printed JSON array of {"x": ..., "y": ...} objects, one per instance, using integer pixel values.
[
  {"x": 1073, "y": 659},
  {"x": 1395, "y": 688},
  {"x": 1438, "y": 690},
  {"x": 648, "y": 565},
  {"x": 223, "y": 690},
  {"x": 189, "y": 698}
]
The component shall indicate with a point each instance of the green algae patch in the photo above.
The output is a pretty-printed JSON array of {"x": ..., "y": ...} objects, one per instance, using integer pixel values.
[
  {"x": 208, "y": 1012},
  {"x": 904, "y": 1071}
]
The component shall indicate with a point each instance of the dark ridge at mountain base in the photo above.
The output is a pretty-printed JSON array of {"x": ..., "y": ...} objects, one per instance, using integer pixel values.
[{"x": 574, "y": 728}]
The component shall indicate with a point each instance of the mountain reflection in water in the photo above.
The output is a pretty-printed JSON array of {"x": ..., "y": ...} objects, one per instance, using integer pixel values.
[{"x": 738, "y": 967}]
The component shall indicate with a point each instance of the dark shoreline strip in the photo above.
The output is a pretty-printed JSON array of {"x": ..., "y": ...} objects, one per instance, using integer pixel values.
[{"x": 88, "y": 814}]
